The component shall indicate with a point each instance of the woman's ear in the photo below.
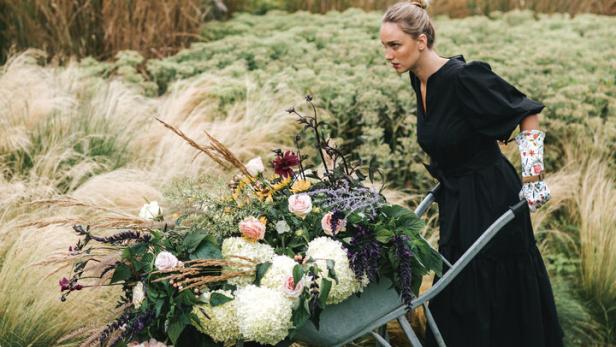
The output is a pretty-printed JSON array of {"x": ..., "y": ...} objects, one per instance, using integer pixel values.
[{"x": 422, "y": 42}]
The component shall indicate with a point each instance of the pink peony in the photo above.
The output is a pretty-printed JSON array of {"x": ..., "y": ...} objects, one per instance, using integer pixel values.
[
  {"x": 326, "y": 224},
  {"x": 290, "y": 289},
  {"x": 300, "y": 204},
  {"x": 252, "y": 229},
  {"x": 165, "y": 261}
]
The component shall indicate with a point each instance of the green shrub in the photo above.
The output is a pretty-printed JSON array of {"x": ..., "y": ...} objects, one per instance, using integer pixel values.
[{"x": 337, "y": 58}]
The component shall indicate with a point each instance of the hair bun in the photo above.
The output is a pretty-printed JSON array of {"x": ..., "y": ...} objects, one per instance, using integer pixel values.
[{"x": 421, "y": 3}]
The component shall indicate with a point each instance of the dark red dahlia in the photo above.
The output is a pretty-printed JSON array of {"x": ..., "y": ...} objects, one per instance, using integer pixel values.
[{"x": 284, "y": 162}]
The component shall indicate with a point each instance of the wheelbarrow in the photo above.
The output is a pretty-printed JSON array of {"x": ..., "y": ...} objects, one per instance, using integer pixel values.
[{"x": 380, "y": 303}]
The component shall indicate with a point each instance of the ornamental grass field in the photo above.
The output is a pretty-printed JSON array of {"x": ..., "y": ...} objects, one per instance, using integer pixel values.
[{"x": 79, "y": 142}]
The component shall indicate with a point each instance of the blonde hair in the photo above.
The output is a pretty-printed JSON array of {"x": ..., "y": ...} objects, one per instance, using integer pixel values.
[{"x": 412, "y": 18}]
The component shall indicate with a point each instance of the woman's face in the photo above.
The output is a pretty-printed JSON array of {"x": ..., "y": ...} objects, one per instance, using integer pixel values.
[{"x": 401, "y": 50}]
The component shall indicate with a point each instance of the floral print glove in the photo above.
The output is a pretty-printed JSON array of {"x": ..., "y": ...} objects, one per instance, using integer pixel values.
[{"x": 534, "y": 189}]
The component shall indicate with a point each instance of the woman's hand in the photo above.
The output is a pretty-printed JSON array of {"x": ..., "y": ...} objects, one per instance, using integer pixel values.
[
  {"x": 536, "y": 194},
  {"x": 534, "y": 189}
]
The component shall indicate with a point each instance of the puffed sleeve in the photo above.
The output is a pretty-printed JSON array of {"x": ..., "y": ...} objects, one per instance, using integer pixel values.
[{"x": 493, "y": 106}]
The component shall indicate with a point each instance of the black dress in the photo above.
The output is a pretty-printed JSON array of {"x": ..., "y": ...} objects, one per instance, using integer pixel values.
[{"x": 503, "y": 297}]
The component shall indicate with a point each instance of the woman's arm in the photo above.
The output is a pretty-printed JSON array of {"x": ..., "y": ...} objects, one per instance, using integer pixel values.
[
  {"x": 530, "y": 122},
  {"x": 530, "y": 144}
]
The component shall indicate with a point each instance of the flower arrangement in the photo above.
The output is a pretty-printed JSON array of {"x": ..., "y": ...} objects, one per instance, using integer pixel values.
[{"x": 259, "y": 260}]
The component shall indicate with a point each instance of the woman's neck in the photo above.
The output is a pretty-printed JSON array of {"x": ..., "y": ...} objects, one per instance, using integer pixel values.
[{"x": 427, "y": 64}]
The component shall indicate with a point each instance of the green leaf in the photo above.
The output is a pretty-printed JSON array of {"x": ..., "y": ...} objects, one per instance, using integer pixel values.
[
  {"x": 217, "y": 299},
  {"x": 206, "y": 250},
  {"x": 185, "y": 318},
  {"x": 427, "y": 255},
  {"x": 261, "y": 270},
  {"x": 410, "y": 224},
  {"x": 326, "y": 286},
  {"x": 151, "y": 294},
  {"x": 141, "y": 262},
  {"x": 354, "y": 218},
  {"x": 192, "y": 241},
  {"x": 159, "y": 306},
  {"x": 331, "y": 272},
  {"x": 300, "y": 316},
  {"x": 175, "y": 329},
  {"x": 298, "y": 273},
  {"x": 384, "y": 235},
  {"x": 394, "y": 211},
  {"x": 147, "y": 261},
  {"x": 122, "y": 273},
  {"x": 186, "y": 297},
  {"x": 415, "y": 285},
  {"x": 138, "y": 249}
]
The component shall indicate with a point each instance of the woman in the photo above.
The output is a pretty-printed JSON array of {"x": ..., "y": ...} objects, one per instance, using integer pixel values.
[{"x": 503, "y": 297}]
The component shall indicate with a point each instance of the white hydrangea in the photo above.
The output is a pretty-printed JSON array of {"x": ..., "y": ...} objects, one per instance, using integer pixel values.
[
  {"x": 238, "y": 246},
  {"x": 264, "y": 314},
  {"x": 324, "y": 248},
  {"x": 221, "y": 325},
  {"x": 278, "y": 274}
]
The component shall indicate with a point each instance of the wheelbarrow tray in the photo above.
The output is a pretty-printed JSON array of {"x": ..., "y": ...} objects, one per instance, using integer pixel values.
[{"x": 353, "y": 317}]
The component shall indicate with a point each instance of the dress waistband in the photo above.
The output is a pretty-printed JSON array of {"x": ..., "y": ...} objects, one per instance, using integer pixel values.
[{"x": 480, "y": 160}]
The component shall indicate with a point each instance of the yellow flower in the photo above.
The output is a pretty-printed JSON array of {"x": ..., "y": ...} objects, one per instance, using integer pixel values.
[
  {"x": 263, "y": 220},
  {"x": 280, "y": 185},
  {"x": 236, "y": 196},
  {"x": 264, "y": 195},
  {"x": 238, "y": 190},
  {"x": 300, "y": 186}
]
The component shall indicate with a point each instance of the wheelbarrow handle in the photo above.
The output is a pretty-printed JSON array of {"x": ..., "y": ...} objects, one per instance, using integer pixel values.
[
  {"x": 519, "y": 207},
  {"x": 427, "y": 201},
  {"x": 423, "y": 206}
]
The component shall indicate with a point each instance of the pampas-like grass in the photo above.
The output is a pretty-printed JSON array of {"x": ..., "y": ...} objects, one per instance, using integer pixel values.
[
  {"x": 249, "y": 128},
  {"x": 62, "y": 107},
  {"x": 595, "y": 202},
  {"x": 28, "y": 97}
]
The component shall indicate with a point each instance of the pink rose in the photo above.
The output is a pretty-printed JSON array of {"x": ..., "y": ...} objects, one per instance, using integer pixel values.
[
  {"x": 537, "y": 169},
  {"x": 165, "y": 261},
  {"x": 252, "y": 229},
  {"x": 290, "y": 289},
  {"x": 300, "y": 204},
  {"x": 326, "y": 224}
]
